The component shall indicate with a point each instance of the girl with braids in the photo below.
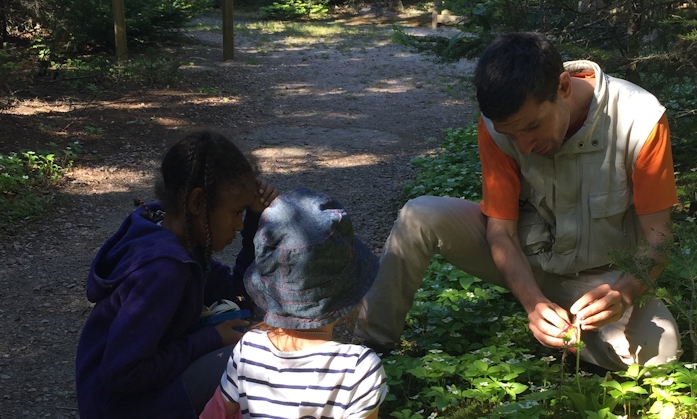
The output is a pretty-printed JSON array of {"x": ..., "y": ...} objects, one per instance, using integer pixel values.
[{"x": 140, "y": 353}]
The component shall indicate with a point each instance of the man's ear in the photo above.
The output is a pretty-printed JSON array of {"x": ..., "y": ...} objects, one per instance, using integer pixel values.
[
  {"x": 196, "y": 202},
  {"x": 564, "y": 85}
]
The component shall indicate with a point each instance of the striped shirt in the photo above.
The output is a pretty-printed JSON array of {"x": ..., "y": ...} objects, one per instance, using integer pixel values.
[{"x": 332, "y": 380}]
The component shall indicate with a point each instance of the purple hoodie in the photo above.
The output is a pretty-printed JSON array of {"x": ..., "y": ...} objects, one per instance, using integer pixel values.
[{"x": 148, "y": 293}]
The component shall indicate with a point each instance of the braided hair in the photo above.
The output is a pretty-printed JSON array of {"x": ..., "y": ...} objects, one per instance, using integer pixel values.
[{"x": 203, "y": 160}]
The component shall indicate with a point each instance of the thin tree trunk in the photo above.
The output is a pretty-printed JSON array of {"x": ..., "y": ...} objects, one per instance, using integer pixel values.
[
  {"x": 635, "y": 9},
  {"x": 3, "y": 21}
]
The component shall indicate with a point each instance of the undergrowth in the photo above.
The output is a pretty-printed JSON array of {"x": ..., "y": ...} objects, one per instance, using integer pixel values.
[{"x": 27, "y": 181}]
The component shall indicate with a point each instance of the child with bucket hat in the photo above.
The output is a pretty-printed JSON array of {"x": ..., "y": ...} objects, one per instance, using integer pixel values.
[{"x": 309, "y": 272}]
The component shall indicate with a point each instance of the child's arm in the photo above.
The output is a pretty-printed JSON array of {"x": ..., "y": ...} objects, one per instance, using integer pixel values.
[
  {"x": 219, "y": 408},
  {"x": 231, "y": 408},
  {"x": 139, "y": 354}
]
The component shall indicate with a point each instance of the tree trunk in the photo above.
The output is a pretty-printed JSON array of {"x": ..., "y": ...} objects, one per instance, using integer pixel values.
[
  {"x": 635, "y": 10},
  {"x": 3, "y": 21}
]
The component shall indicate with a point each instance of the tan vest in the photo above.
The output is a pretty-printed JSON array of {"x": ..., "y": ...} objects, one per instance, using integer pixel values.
[{"x": 578, "y": 205}]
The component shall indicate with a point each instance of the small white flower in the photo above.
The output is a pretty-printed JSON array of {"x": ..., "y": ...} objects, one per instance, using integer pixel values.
[
  {"x": 433, "y": 415},
  {"x": 508, "y": 344},
  {"x": 528, "y": 356},
  {"x": 455, "y": 335},
  {"x": 487, "y": 360},
  {"x": 484, "y": 384},
  {"x": 25, "y": 177},
  {"x": 512, "y": 361},
  {"x": 390, "y": 361},
  {"x": 666, "y": 382},
  {"x": 430, "y": 328},
  {"x": 414, "y": 397},
  {"x": 486, "y": 353},
  {"x": 672, "y": 358},
  {"x": 447, "y": 319},
  {"x": 475, "y": 352},
  {"x": 690, "y": 366},
  {"x": 492, "y": 319},
  {"x": 548, "y": 359}
]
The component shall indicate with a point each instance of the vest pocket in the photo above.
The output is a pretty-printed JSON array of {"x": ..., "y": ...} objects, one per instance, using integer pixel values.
[
  {"x": 533, "y": 231},
  {"x": 607, "y": 230},
  {"x": 610, "y": 203}
]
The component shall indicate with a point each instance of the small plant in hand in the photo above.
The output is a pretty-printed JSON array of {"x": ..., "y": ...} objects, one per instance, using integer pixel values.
[
  {"x": 466, "y": 351},
  {"x": 26, "y": 179}
]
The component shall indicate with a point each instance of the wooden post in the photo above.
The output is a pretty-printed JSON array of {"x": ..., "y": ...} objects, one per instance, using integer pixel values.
[
  {"x": 119, "y": 10},
  {"x": 436, "y": 11},
  {"x": 228, "y": 31}
]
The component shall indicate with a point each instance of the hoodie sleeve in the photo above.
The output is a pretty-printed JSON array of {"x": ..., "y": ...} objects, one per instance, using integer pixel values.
[
  {"x": 225, "y": 284},
  {"x": 153, "y": 305}
]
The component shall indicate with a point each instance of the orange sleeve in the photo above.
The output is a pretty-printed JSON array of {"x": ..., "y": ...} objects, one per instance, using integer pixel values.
[
  {"x": 500, "y": 178},
  {"x": 654, "y": 176}
]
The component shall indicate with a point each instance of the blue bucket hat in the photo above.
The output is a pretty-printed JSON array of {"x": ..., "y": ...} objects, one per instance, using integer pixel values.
[{"x": 310, "y": 270}]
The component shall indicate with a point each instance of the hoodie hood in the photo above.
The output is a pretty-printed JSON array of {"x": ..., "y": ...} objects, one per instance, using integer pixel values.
[{"x": 137, "y": 242}]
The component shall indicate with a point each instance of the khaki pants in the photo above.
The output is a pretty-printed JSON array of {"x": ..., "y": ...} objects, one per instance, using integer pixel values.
[{"x": 456, "y": 229}]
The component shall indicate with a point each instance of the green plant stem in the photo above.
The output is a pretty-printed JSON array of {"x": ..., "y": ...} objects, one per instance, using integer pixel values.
[{"x": 578, "y": 369}]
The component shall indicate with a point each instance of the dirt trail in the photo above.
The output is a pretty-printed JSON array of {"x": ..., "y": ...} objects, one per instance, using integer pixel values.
[{"x": 342, "y": 113}]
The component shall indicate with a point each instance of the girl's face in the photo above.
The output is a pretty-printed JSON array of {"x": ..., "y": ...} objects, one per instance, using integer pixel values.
[{"x": 226, "y": 217}]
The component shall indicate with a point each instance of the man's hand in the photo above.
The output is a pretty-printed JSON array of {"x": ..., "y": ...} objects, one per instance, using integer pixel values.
[
  {"x": 549, "y": 323},
  {"x": 265, "y": 194},
  {"x": 600, "y": 306}
]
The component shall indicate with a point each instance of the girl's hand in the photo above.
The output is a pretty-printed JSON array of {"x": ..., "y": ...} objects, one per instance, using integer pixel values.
[
  {"x": 227, "y": 332},
  {"x": 265, "y": 194}
]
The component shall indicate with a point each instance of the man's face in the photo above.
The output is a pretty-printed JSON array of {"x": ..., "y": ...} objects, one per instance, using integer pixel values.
[{"x": 537, "y": 128}]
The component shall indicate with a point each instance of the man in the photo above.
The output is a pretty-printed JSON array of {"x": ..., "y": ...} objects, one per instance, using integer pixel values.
[{"x": 575, "y": 164}]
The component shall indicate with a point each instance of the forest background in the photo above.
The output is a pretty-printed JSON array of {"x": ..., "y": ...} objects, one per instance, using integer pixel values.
[{"x": 495, "y": 369}]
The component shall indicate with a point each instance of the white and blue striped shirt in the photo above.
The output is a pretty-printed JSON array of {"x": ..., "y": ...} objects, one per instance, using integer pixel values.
[{"x": 332, "y": 380}]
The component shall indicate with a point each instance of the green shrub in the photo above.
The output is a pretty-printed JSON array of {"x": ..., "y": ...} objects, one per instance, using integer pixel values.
[
  {"x": 294, "y": 9},
  {"x": 93, "y": 20},
  {"x": 26, "y": 179},
  {"x": 452, "y": 170}
]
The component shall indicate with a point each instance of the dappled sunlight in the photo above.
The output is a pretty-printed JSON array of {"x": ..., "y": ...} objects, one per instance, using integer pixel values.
[
  {"x": 293, "y": 160},
  {"x": 106, "y": 179},
  {"x": 37, "y": 106},
  {"x": 392, "y": 86}
]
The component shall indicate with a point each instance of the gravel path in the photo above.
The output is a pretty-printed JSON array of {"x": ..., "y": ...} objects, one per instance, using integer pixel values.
[{"x": 338, "y": 111}]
